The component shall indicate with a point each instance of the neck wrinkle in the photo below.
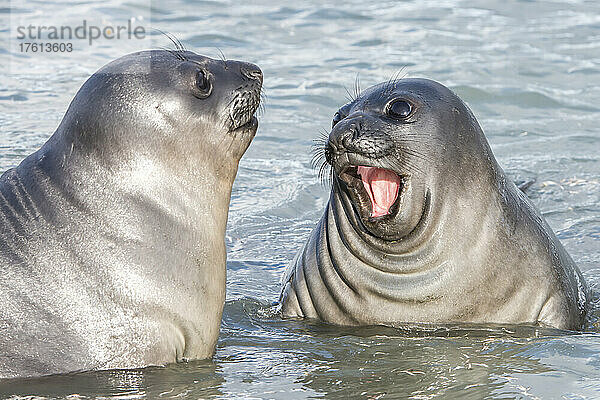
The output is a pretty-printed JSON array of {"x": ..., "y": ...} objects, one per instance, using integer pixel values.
[
  {"x": 369, "y": 283},
  {"x": 406, "y": 255}
]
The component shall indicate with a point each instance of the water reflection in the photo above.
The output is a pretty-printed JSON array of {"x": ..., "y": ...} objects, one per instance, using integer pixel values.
[
  {"x": 202, "y": 379},
  {"x": 402, "y": 362}
]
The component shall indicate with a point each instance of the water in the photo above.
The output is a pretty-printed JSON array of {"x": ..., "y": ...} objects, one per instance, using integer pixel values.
[{"x": 529, "y": 70}]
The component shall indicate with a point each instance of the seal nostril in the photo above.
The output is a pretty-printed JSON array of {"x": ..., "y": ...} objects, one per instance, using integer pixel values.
[
  {"x": 252, "y": 73},
  {"x": 355, "y": 133},
  {"x": 347, "y": 139}
]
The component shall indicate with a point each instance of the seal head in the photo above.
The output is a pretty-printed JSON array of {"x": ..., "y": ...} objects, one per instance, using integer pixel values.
[{"x": 422, "y": 225}]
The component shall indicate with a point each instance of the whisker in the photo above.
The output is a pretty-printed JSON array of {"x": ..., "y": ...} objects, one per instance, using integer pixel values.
[
  {"x": 319, "y": 158},
  {"x": 414, "y": 153},
  {"x": 222, "y": 55},
  {"x": 264, "y": 98},
  {"x": 349, "y": 95},
  {"x": 406, "y": 164},
  {"x": 357, "y": 90},
  {"x": 390, "y": 84},
  {"x": 179, "y": 48},
  {"x": 170, "y": 37},
  {"x": 174, "y": 53},
  {"x": 317, "y": 161},
  {"x": 260, "y": 111},
  {"x": 325, "y": 174}
]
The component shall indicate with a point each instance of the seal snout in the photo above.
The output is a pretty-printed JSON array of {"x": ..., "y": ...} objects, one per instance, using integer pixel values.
[
  {"x": 246, "y": 98},
  {"x": 359, "y": 134},
  {"x": 357, "y": 150},
  {"x": 251, "y": 72}
]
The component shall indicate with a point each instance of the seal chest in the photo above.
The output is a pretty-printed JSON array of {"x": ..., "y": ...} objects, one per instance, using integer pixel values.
[
  {"x": 422, "y": 225},
  {"x": 112, "y": 234}
]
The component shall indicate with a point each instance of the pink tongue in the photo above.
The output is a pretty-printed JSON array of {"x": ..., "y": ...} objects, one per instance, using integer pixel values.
[{"x": 382, "y": 186}]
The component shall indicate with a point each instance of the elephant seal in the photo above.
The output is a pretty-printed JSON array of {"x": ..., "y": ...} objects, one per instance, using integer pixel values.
[
  {"x": 422, "y": 225},
  {"x": 112, "y": 235}
]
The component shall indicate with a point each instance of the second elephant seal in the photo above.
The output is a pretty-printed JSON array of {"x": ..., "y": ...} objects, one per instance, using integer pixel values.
[
  {"x": 422, "y": 225},
  {"x": 112, "y": 235}
]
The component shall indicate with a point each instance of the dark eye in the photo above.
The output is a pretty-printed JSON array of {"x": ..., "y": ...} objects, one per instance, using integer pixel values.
[
  {"x": 399, "y": 109},
  {"x": 202, "y": 83},
  {"x": 336, "y": 118}
]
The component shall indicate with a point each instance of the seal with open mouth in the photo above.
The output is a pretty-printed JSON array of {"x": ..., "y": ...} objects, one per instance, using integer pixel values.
[
  {"x": 112, "y": 235},
  {"x": 422, "y": 226}
]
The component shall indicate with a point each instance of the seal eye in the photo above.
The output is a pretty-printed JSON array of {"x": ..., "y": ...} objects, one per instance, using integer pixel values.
[
  {"x": 202, "y": 84},
  {"x": 336, "y": 118},
  {"x": 399, "y": 109}
]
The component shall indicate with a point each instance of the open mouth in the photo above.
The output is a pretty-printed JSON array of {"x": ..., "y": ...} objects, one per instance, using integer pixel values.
[{"x": 377, "y": 189}]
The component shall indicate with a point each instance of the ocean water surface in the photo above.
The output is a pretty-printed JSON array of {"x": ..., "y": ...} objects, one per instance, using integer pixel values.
[{"x": 530, "y": 71}]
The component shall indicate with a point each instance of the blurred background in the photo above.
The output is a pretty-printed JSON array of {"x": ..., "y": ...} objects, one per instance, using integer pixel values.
[{"x": 529, "y": 70}]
